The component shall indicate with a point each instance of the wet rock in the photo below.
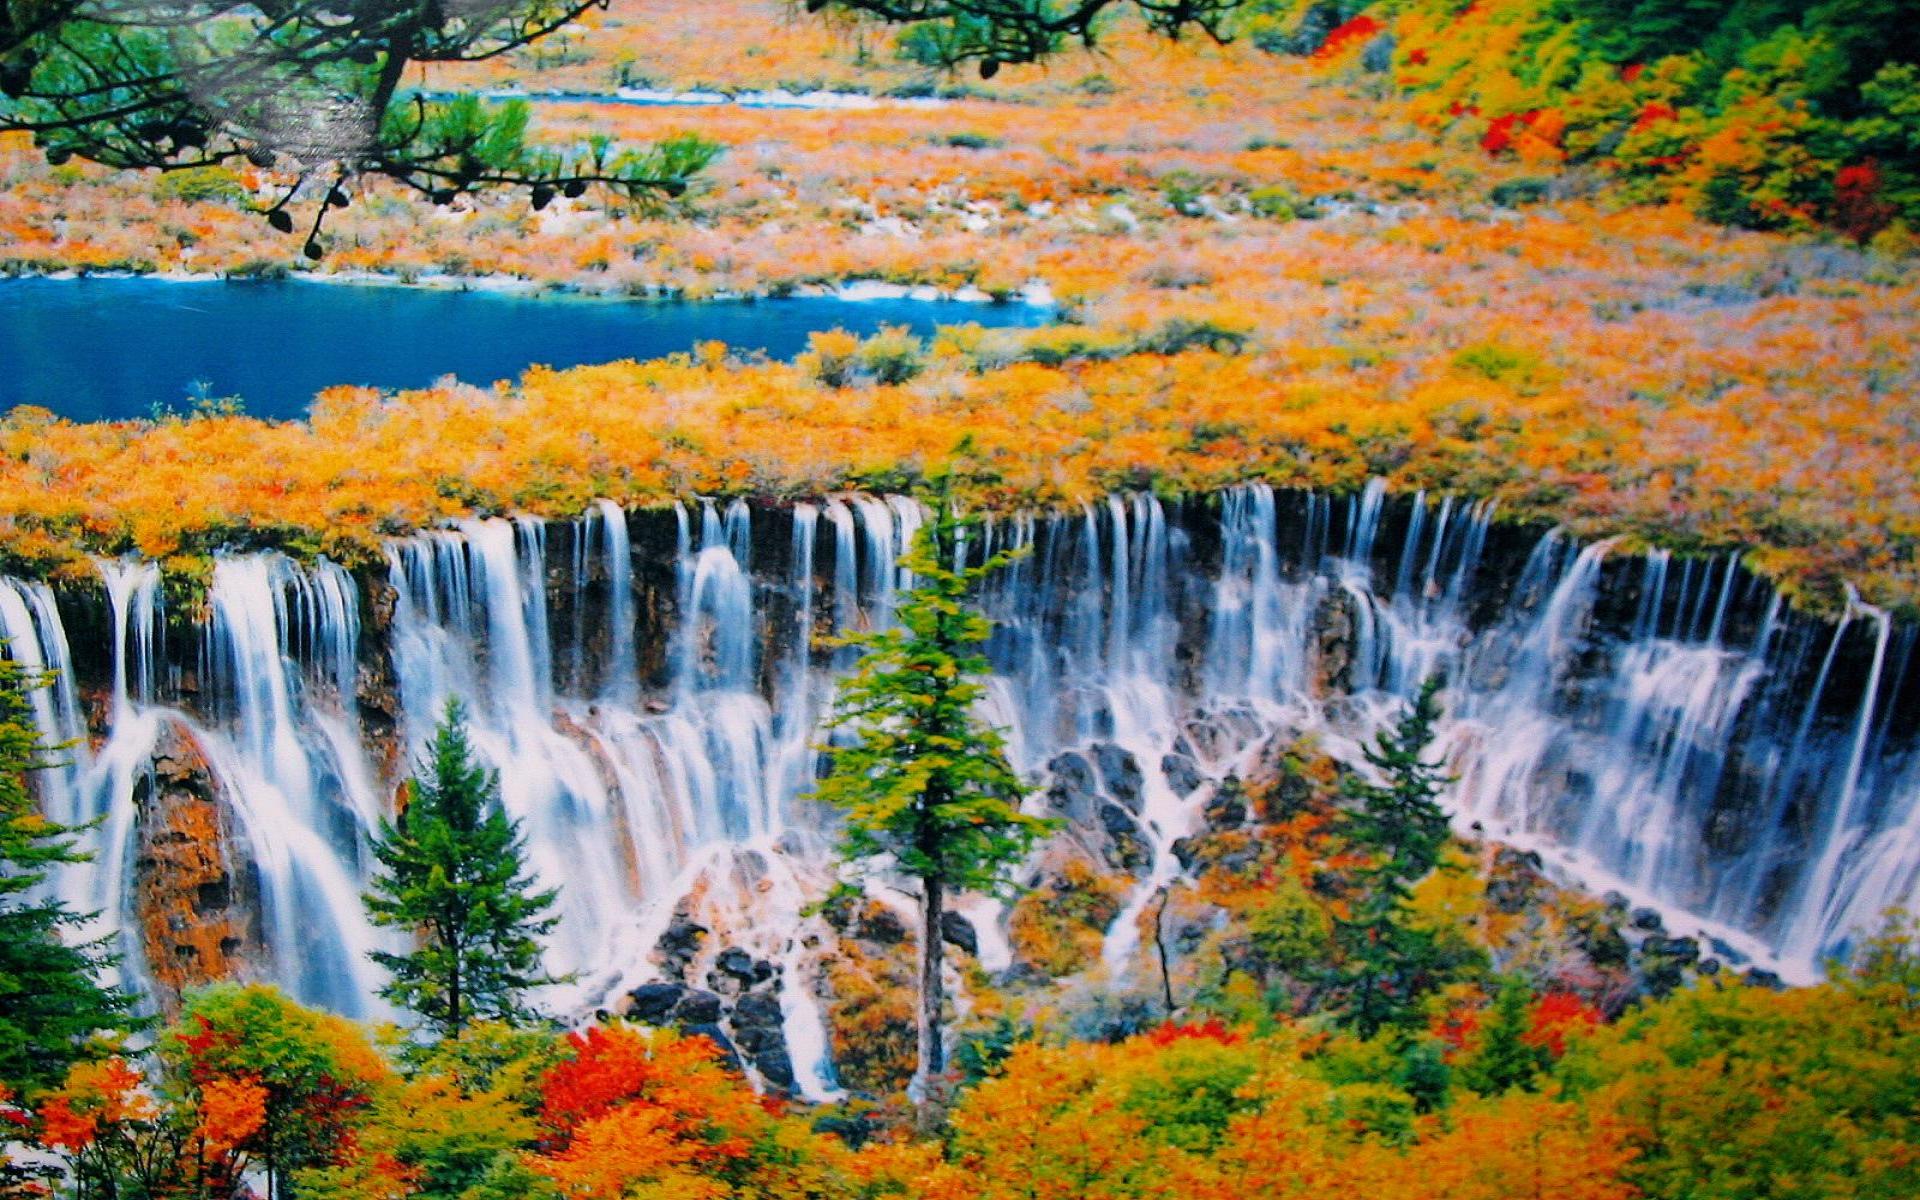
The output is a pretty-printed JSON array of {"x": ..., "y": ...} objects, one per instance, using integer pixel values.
[
  {"x": 881, "y": 924},
  {"x": 1208, "y": 739},
  {"x": 1725, "y": 953},
  {"x": 1120, "y": 771},
  {"x": 735, "y": 971},
  {"x": 1680, "y": 949},
  {"x": 679, "y": 945},
  {"x": 1616, "y": 902},
  {"x": 1756, "y": 977},
  {"x": 1514, "y": 880},
  {"x": 1648, "y": 920},
  {"x": 1182, "y": 774},
  {"x": 736, "y": 962},
  {"x": 775, "y": 1065},
  {"x": 194, "y": 896},
  {"x": 718, "y": 1036},
  {"x": 1126, "y": 849},
  {"x": 1332, "y": 645},
  {"x": 1073, "y": 792},
  {"x": 1664, "y": 963},
  {"x": 667, "y": 1004},
  {"x": 1601, "y": 941},
  {"x": 958, "y": 932},
  {"x": 697, "y": 1008},
  {"x": 759, "y": 1031},
  {"x": 1186, "y": 851},
  {"x": 653, "y": 1003}
]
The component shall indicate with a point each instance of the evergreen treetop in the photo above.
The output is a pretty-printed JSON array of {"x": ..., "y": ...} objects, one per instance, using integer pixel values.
[
  {"x": 1400, "y": 821},
  {"x": 1387, "y": 960},
  {"x": 52, "y": 1007},
  {"x": 924, "y": 780},
  {"x": 454, "y": 873}
]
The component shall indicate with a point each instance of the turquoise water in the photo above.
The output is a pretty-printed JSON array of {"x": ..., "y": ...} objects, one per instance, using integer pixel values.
[{"x": 113, "y": 349}]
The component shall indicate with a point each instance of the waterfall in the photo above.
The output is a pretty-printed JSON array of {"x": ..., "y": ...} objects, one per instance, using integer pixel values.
[
  {"x": 648, "y": 687},
  {"x": 292, "y": 777}
]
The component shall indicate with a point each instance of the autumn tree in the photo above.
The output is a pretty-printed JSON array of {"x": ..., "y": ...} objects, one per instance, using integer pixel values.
[
  {"x": 1399, "y": 828},
  {"x": 52, "y": 1004},
  {"x": 246, "y": 1086},
  {"x": 455, "y": 877},
  {"x": 922, "y": 780},
  {"x": 1728, "y": 1090}
]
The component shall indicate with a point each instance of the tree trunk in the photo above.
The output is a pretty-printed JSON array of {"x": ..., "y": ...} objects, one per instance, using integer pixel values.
[{"x": 932, "y": 1049}]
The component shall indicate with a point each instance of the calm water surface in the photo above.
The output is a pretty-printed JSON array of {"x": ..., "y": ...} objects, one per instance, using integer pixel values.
[{"x": 111, "y": 349}]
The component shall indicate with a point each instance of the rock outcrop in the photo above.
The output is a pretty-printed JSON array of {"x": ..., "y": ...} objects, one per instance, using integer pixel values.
[{"x": 194, "y": 904}]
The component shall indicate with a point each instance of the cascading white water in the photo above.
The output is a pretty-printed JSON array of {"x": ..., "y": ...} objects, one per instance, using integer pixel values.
[
  {"x": 1696, "y": 748},
  {"x": 290, "y": 772}
]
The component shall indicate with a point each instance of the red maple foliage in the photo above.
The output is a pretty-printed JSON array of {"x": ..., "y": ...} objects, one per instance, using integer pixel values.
[
  {"x": 1555, "y": 1016},
  {"x": 1213, "y": 1029},
  {"x": 1652, "y": 115},
  {"x": 1358, "y": 29},
  {"x": 1858, "y": 208}
]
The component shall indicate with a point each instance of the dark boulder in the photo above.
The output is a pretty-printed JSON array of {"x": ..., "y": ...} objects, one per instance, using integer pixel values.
[
  {"x": 958, "y": 932},
  {"x": 1514, "y": 882},
  {"x": 1120, "y": 772},
  {"x": 1227, "y": 807},
  {"x": 1182, "y": 773},
  {"x": 729, "y": 1053},
  {"x": 653, "y": 1003},
  {"x": 759, "y": 1030},
  {"x": 1073, "y": 793},
  {"x": 881, "y": 924},
  {"x": 736, "y": 962},
  {"x": 1679, "y": 949},
  {"x": 1126, "y": 849},
  {"x": 679, "y": 945},
  {"x": 697, "y": 1008}
]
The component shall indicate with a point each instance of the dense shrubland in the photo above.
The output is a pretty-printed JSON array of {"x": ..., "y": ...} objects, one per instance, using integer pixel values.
[
  {"x": 1727, "y": 1090},
  {"x": 1745, "y": 461}
]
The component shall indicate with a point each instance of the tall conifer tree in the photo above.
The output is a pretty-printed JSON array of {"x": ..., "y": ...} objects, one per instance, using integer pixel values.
[
  {"x": 455, "y": 876},
  {"x": 52, "y": 1004},
  {"x": 924, "y": 781},
  {"x": 1401, "y": 828}
]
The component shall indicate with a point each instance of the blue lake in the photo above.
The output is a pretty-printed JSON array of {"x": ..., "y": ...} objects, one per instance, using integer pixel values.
[{"x": 113, "y": 349}]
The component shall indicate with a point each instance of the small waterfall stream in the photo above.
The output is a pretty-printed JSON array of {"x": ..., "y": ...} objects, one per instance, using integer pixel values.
[{"x": 650, "y": 691}]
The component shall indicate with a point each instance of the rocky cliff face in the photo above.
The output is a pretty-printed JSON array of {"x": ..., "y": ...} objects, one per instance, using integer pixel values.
[
  {"x": 649, "y": 686},
  {"x": 197, "y": 909}
]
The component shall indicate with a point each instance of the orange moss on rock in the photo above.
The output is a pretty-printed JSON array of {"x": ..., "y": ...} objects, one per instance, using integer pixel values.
[{"x": 192, "y": 925}]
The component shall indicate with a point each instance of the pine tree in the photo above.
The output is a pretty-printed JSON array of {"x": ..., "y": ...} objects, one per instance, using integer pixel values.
[
  {"x": 52, "y": 1007},
  {"x": 923, "y": 780},
  {"x": 455, "y": 876},
  {"x": 1402, "y": 830}
]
